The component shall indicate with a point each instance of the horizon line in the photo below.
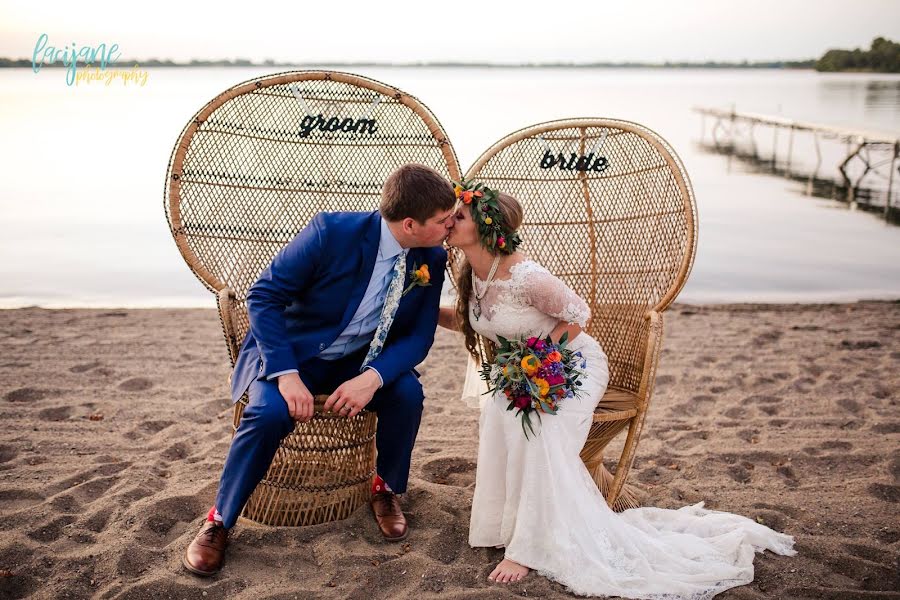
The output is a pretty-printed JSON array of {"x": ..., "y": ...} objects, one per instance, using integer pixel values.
[{"x": 7, "y": 62}]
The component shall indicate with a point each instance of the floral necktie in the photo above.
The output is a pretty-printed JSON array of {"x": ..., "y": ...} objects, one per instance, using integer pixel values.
[{"x": 391, "y": 302}]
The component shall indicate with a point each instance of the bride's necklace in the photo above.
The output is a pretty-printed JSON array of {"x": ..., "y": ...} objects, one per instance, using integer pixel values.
[{"x": 477, "y": 308}]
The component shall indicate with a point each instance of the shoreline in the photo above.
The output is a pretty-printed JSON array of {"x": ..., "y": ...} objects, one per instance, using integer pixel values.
[{"x": 210, "y": 304}]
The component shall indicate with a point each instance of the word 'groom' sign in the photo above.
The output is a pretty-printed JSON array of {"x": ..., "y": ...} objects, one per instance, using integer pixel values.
[{"x": 365, "y": 125}]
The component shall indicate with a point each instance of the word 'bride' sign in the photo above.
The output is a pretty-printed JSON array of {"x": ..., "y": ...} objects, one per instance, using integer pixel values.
[
  {"x": 310, "y": 122},
  {"x": 576, "y": 162}
]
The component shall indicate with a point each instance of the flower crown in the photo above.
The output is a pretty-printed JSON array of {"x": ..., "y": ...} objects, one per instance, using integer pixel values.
[{"x": 495, "y": 235}]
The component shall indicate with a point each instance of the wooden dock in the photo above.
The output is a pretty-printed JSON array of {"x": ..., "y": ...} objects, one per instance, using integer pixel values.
[{"x": 875, "y": 150}]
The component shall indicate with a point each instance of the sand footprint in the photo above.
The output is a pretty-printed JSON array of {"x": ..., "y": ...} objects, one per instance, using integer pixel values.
[
  {"x": 735, "y": 412},
  {"x": 136, "y": 384},
  {"x": 56, "y": 413},
  {"x": 27, "y": 394},
  {"x": 85, "y": 487},
  {"x": 52, "y": 530},
  {"x": 136, "y": 559},
  {"x": 446, "y": 546},
  {"x": 884, "y": 492},
  {"x": 14, "y": 500},
  {"x": 97, "y": 521},
  {"x": 850, "y": 405},
  {"x": 453, "y": 471},
  {"x": 836, "y": 445},
  {"x": 7, "y": 453},
  {"x": 169, "y": 518},
  {"x": 787, "y": 474},
  {"x": 741, "y": 472},
  {"x": 178, "y": 451},
  {"x": 690, "y": 440},
  {"x": 65, "y": 504}
]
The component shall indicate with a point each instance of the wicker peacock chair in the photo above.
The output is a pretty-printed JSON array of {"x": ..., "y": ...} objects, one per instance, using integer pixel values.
[
  {"x": 620, "y": 228},
  {"x": 248, "y": 172}
]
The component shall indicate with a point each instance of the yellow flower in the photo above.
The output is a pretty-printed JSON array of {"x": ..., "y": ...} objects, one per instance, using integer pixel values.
[
  {"x": 543, "y": 386},
  {"x": 488, "y": 221},
  {"x": 457, "y": 189},
  {"x": 530, "y": 364}
]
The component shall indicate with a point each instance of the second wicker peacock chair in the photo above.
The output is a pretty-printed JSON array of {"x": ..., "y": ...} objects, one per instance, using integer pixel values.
[
  {"x": 610, "y": 210},
  {"x": 248, "y": 172}
]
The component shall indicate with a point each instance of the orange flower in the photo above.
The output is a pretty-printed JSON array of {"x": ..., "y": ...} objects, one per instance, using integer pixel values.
[
  {"x": 420, "y": 276},
  {"x": 543, "y": 386},
  {"x": 467, "y": 197},
  {"x": 423, "y": 275},
  {"x": 555, "y": 356},
  {"x": 478, "y": 193}
]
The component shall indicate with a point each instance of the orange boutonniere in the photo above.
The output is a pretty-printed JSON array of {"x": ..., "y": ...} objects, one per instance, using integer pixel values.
[{"x": 420, "y": 276}]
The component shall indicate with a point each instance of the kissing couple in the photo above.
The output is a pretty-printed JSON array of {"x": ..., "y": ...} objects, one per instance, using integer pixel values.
[{"x": 350, "y": 306}]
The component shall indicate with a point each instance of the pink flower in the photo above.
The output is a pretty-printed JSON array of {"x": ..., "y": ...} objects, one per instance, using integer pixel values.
[
  {"x": 531, "y": 342},
  {"x": 556, "y": 379},
  {"x": 522, "y": 402}
]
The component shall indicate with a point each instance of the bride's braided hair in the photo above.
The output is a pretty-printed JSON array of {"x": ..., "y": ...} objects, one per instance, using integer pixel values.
[{"x": 511, "y": 215}]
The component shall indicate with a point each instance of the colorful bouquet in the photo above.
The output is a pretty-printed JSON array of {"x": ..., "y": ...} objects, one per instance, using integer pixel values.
[{"x": 536, "y": 375}]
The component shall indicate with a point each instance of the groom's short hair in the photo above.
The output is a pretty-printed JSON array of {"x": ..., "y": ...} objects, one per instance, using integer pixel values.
[{"x": 417, "y": 191}]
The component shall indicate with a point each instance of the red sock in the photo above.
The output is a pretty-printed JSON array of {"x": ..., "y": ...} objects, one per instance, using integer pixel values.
[
  {"x": 378, "y": 485},
  {"x": 214, "y": 515}
]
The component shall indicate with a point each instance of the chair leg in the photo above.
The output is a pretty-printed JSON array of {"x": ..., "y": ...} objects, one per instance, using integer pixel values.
[
  {"x": 627, "y": 497},
  {"x": 618, "y": 489}
]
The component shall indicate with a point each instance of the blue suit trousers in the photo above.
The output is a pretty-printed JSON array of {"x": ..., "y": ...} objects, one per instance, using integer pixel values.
[{"x": 266, "y": 421}]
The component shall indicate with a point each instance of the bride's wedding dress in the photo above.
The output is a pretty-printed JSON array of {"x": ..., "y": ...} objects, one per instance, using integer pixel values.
[{"x": 535, "y": 497}]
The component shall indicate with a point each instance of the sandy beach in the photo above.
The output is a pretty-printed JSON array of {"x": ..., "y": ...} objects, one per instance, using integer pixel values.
[{"x": 114, "y": 425}]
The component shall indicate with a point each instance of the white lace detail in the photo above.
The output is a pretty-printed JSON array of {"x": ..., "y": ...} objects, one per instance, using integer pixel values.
[
  {"x": 531, "y": 295},
  {"x": 536, "y": 498}
]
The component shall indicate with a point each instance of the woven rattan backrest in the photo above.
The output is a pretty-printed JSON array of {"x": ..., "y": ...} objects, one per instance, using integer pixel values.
[
  {"x": 619, "y": 226},
  {"x": 255, "y": 164}
]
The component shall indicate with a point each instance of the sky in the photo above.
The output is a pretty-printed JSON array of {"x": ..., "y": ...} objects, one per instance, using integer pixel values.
[{"x": 461, "y": 31}]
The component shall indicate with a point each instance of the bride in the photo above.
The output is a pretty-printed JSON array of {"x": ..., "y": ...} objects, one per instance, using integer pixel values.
[{"x": 534, "y": 497}]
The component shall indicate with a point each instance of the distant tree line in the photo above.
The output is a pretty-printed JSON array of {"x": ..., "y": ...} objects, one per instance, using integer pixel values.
[
  {"x": 243, "y": 62},
  {"x": 882, "y": 57}
]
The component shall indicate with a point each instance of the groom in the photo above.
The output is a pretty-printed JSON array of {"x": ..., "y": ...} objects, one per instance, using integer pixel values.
[{"x": 341, "y": 311}]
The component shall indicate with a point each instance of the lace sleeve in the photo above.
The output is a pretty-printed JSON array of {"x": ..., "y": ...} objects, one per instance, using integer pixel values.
[{"x": 550, "y": 295}]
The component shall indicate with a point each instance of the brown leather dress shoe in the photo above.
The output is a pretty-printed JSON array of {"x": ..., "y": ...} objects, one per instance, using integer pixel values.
[
  {"x": 205, "y": 554},
  {"x": 390, "y": 519}
]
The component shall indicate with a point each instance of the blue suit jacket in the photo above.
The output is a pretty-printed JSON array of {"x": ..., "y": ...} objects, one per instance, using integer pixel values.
[{"x": 306, "y": 297}]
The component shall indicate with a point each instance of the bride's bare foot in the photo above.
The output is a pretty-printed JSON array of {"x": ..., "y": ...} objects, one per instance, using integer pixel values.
[{"x": 508, "y": 571}]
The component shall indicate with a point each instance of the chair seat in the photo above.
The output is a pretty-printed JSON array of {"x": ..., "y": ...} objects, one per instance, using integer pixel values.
[{"x": 616, "y": 405}]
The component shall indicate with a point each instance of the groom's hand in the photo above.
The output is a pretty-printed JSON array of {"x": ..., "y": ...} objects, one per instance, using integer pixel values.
[
  {"x": 297, "y": 397},
  {"x": 354, "y": 394}
]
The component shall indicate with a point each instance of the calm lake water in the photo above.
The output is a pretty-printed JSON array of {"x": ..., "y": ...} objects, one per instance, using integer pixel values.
[{"x": 84, "y": 169}]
